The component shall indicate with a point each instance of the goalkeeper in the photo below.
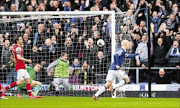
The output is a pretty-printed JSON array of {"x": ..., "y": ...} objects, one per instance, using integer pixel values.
[
  {"x": 61, "y": 72},
  {"x": 36, "y": 84}
]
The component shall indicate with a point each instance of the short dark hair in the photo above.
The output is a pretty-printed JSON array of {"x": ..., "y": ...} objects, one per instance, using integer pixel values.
[
  {"x": 16, "y": 38},
  {"x": 63, "y": 54}
]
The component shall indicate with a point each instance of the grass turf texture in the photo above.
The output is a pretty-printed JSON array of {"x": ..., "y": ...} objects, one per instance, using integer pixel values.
[{"x": 88, "y": 102}]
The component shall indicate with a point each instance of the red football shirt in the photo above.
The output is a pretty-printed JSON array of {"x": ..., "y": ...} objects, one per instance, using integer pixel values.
[{"x": 19, "y": 63}]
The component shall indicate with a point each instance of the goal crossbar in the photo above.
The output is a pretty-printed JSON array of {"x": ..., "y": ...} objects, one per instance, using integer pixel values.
[{"x": 58, "y": 13}]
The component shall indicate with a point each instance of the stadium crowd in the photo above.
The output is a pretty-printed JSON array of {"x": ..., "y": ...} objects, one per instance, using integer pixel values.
[{"x": 46, "y": 38}]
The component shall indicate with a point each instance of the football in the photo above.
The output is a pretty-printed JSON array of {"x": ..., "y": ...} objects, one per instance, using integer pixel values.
[{"x": 100, "y": 43}]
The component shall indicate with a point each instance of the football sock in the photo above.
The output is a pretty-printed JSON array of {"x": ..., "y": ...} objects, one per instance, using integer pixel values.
[
  {"x": 0, "y": 90},
  {"x": 28, "y": 87},
  {"x": 121, "y": 83},
  {"x": 100, "y": 91},
  {"x": 37, "y": 89},
  {"x": 14, "y": 84}
]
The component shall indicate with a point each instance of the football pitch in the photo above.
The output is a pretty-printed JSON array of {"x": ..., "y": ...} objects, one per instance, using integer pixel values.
[{"x": 88, "y": 102}]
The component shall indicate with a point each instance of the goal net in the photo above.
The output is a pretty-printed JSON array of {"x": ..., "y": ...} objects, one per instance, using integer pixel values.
[
  {"x": 123, "y": 27},
  {"x": 88, "y": 38}
]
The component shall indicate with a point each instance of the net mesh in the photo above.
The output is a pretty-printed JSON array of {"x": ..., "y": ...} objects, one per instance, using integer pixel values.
[
  {"x": 85, "y": 38},
  {"x": 123, "y": 28}
]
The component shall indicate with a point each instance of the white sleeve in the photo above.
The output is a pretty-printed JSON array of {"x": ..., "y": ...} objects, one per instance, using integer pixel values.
[
  {"x": 119, "y": 52},
  {"x": 18, "y": 50},
  {"x": 137, "y": 50}
]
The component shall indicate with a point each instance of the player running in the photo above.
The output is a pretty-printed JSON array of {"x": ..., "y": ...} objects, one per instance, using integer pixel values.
[
  {"x": 115, "y": 72},
  {"x": 32, "y": 72},
  {"x": 22, "y": 74}
]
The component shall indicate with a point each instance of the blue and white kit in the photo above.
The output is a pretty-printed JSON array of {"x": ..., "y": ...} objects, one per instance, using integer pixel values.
[{"x": 119, "y": 58}]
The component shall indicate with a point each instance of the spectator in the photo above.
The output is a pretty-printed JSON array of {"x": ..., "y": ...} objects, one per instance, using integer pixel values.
[
  {"x": 27, "y": 45},
  {"x": 5, "y": 58},
  {"x": 100, "y": 68},
  {"x": 19, "y": 3},
  {"x": 131, "y": 18},
  {"x": 98, "y": 23},
  {"x": 166, "y": 13},
  {"x": 142, "y": 28},
  {"x": 159, "y": 54},
  {"x": 42, "y": 7},
  {"x": 108, "y": 26},
  {"x": 36, "y": 55},
  {"x": 56, "y": 29},
  {"x": 90, "y": 51},
  {"x": 143, "y": 57},
  {"x": 6, "y": 36},
  {"x": 40, "y": 35},
  {"x": 1, "y": 39},
  {"x": 54, "y": 6},
  {"x": 162, "y": 77},
  {"x": 156, "y": 19},
  {"x": 141, "y": 15},
  {"x": 76, "y": 63},
  {"x": 96, "y": 36},
  {"x": 14, "y": 7},
  {"x": 75, "y": 5},
  {"x": 177, "y": 38},
  {"x": 7, "y": 64},
  {"x": 172, "y": 19},
  {"x": 86, "y": 75},
  {"x": 76, "y": 66},
  {"x": 67, "y": 6},
  {"x": 169, "y": 25},
  {"x": 73, "y": 33},
  {"x": 79, "y": 49},
  {"x": 67, "y": 26},
  {"x": 173, "y": 55},
  {"x": 49, "y": 51},
  {"x": 69, "y": 48},
  {"x": 2, "y": 9},
  {"x": 93, "y": 29},
  {"x": 73, "y": 78}
]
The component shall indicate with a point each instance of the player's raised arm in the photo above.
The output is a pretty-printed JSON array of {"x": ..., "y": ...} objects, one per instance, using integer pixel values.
[{"x": 135, "y": 54}]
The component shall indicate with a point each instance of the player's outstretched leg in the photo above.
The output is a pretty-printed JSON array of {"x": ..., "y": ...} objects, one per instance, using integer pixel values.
[
  {"x": 101, "y": 90},
  {"x": 120, "y": 84},
  {"x": 37, "y": 87},
  {"x": 28, "y": 87},
  {"x": 112, "y": 90},
  {"x": 14, "y": 84}
]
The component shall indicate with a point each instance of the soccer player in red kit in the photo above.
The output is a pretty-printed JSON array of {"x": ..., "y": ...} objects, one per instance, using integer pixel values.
[{"x": 22, "y": 74}]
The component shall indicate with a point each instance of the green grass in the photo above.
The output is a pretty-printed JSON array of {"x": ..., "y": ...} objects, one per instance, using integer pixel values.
[{"x": 88, "y": 102}]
